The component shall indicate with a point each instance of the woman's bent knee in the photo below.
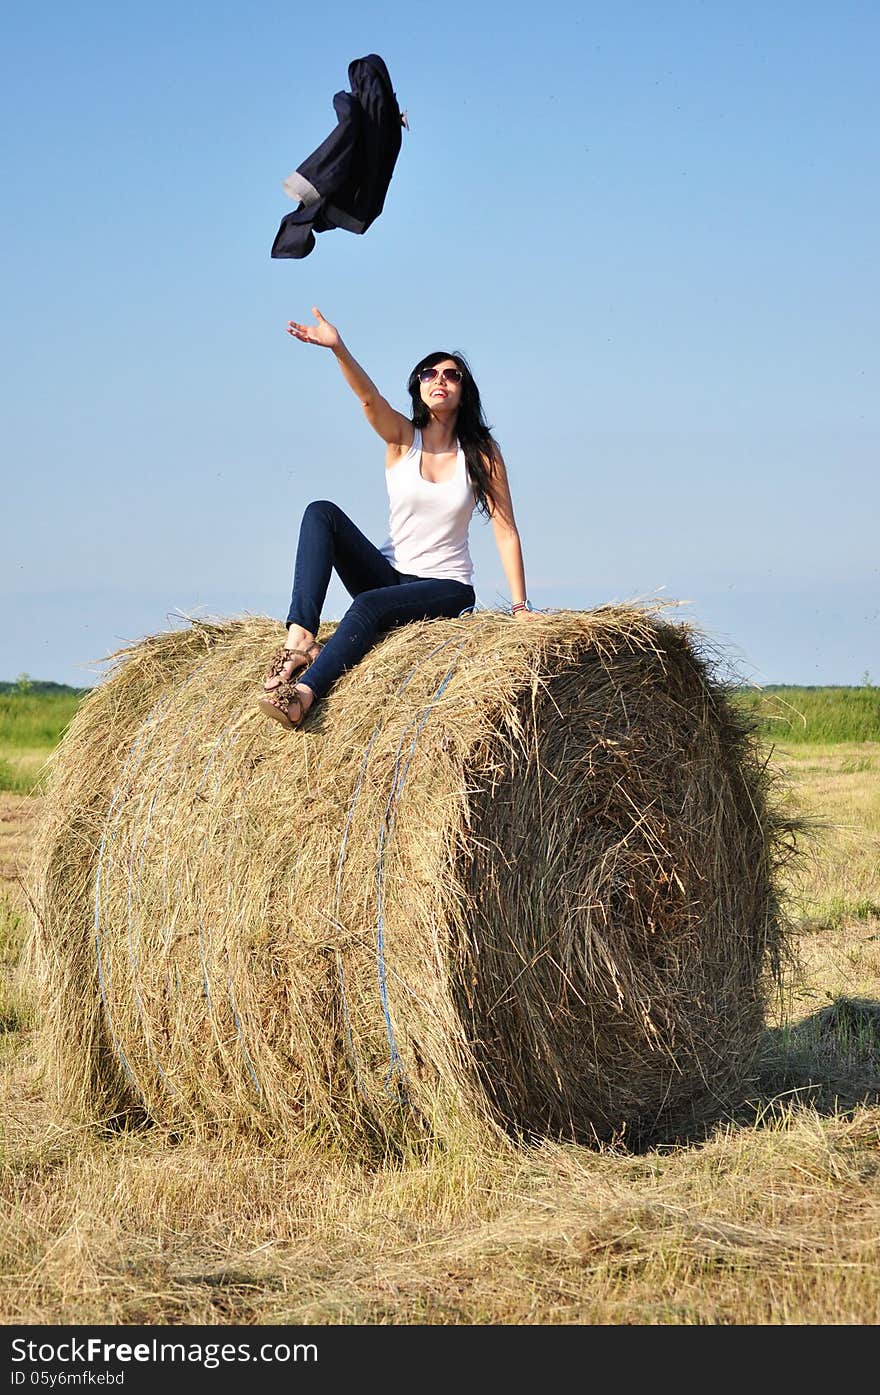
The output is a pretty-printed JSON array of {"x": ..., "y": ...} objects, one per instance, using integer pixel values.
[
  {"x": 364, "y": 608},
  {"x": 323, "y": 509}
]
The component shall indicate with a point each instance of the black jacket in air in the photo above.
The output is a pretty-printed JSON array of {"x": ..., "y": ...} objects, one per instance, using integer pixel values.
[{"x": 343, "y": 183}]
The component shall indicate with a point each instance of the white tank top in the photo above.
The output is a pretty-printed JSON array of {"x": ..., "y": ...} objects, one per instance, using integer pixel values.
[{"x": 428, "y": 523}]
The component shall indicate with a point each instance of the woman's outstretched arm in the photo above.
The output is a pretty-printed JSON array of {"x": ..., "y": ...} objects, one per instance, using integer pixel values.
[
  {"x": 507, "y": 534},
  {"x": 392, "y": 426}
]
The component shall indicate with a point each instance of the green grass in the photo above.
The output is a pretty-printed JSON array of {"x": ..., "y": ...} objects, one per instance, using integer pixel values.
[
  {"x": 814, "y": 715},
  {"x": 16, "y": 1014},
  {"x": 31, "y": 724},
  {"x": 31, "y": 719}
]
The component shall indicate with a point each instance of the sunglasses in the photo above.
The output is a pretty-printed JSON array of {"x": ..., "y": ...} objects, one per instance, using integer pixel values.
[{"x": 447, "y": 375}]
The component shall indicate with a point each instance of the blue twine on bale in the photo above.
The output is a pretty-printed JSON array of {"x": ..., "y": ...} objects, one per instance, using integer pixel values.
[
  {"x": 107, "y": 836},
  {"x": 387, "y": 825},
  {"x": 132, "y": 952},
  {"x": 175, "y": 985},
  {"x": 235, "y": 1013},
  {"x": 342, "y": 853},
  {"x": 244, "y": 1049},
  {"x": 115, "y": 799}
]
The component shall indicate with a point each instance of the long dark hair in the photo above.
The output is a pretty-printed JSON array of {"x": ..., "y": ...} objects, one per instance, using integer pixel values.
[{"x": 473, "y": 431}]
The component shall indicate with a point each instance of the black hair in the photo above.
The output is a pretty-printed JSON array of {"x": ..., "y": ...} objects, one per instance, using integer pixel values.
[{"x": 473, "y": 431}]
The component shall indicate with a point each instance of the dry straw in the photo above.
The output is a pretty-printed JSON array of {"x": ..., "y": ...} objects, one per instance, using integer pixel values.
[{"x": 515, "y": 876}]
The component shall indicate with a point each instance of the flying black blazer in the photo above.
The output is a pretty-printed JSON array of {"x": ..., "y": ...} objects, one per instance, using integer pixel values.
[{"x": 343, "y": 183}]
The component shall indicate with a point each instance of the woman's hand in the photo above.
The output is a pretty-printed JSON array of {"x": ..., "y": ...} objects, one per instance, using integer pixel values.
[
  {"x": 526, "y": 614},
  {"x": 393, "y": 427},
  {"x": 323, "y": 333}
]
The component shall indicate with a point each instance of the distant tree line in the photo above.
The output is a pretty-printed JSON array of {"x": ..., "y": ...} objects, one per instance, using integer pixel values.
[{"x": 24, "y": 685}]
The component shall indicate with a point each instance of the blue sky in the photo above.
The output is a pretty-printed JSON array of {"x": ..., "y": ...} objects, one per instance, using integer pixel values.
[{"x": 651, "y": 227}]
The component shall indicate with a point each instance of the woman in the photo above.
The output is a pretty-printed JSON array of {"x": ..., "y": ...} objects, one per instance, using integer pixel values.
[{"x": 440, "y": 465}]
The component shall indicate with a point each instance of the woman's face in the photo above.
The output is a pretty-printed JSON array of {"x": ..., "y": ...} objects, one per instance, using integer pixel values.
[{"x": 441, "y": 393}]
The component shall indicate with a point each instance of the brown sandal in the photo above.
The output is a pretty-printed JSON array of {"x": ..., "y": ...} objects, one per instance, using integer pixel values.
[
  {"x": 301, "y": 659},
  {"x": 277, "y": 705}
]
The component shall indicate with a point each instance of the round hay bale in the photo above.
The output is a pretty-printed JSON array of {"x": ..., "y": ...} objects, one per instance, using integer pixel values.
[{"x": 508, "y": 875}]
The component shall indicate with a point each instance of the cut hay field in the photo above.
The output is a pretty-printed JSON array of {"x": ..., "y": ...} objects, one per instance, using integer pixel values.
[{"x": 772, "y": 1218}]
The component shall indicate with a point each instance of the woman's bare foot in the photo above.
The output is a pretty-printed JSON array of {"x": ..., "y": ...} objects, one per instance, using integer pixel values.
[
  {"x": 306, "y": 697},
  {"x": 292, "y": 713},
  {"x": 304, "y": 649},
  {"x": 298, "y": 638}
]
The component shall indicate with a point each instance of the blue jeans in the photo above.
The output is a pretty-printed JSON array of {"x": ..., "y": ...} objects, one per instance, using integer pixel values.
[{"x": 383, "y": 597}]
